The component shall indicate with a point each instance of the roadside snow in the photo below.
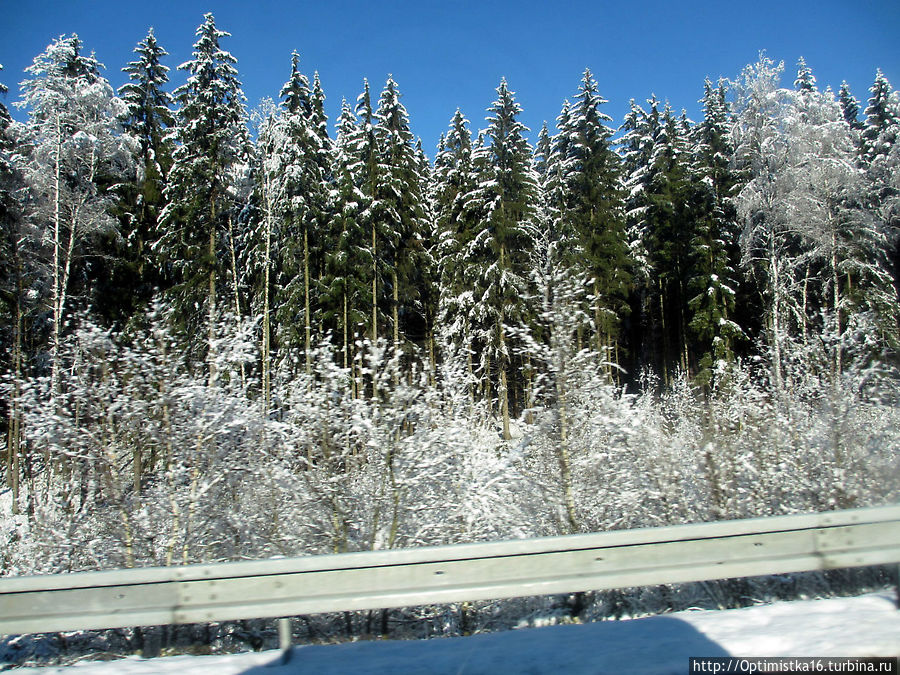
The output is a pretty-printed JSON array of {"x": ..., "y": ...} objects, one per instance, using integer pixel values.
[{"x": 868, "y": 625}]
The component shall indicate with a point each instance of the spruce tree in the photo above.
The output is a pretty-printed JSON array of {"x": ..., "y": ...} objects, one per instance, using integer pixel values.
[
  {"x": 657, "y": 161},
  {"x": 304, "y": 173},
  {"x": 211, "y": 140},
  {"x": 593, "y": 213},
  {"x": 881, "y": 161},
  {"x": 348, "y": 259},
  {"x": 454, "y": 181},
  {"x": 508, "y": 190},
  {"x": 850, "y": 108},
  {"x": 714, "y": 279},
  {"x": 147, "y": 118},
  {"x": 399, "y": 201}
]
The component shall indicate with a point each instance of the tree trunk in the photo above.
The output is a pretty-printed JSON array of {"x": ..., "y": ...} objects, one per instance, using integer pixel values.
[
  {"x": 396, "y": 316},
  {"x": 57, "y": 243},
  {"x": 236, "y": 289},
  {"x": 563, "y": 457},
  {"x": 504, "y": 394},
  {"x": 266, "y": 327},
  {"x": 211, "y": 294},
  {"x": 307, "y": 326},
  {"x": 14, "y": 430},
  {"x": 374, "y": 305},
  {"x": 839, "y": 346}
]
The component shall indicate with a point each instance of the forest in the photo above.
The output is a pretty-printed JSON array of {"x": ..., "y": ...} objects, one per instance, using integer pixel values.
[{"x": 231, "y": 334}]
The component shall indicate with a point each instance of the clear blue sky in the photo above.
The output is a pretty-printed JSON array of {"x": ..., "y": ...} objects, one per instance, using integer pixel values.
[{"x": 453, "y": 53}]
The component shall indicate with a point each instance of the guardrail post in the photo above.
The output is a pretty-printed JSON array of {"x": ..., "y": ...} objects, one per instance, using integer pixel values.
[
  {"x": 897, "y": 584},
  {"x": 284, "y": 639}
]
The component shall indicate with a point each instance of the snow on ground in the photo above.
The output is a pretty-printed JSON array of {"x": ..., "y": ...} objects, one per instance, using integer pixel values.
[{"x": 868, "y": 625}]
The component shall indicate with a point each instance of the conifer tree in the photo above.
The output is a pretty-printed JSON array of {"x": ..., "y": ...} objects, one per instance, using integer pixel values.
[
  {"x": 399, "y": 200},
  {"x": 714, "y": 282},
  {"x": 592, "y": 210},
  {"x": 882, "y": 126},
  {"x": 304, "y": 172},
  {"x": 211, "y": 140},
  {"x": 881, "y": 160},
  {"x": 656, "y": 157},
  {"x": 455, "y": 224},
  {"x": 364, "y": 147},
  {"x": 147, "y": 118},
  {"x": 348, "y": 260},
  {"x": 850, "y": 108},
  {"x": 508, "y": 189}
]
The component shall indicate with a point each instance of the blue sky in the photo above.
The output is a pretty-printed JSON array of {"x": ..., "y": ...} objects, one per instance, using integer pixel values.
[{"x": 452, "y": 54}]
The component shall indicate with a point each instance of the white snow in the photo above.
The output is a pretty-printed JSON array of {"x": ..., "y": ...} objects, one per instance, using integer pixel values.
[{"x": 868, "y": 625}]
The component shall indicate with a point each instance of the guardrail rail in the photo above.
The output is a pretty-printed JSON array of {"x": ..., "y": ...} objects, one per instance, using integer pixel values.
[{"x": 441, "y": 574}]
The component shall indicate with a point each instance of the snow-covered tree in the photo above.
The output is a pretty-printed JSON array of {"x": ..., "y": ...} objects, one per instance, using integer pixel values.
[
  {"x": 211, "y": 139},
  {"x": 398, "y": 202},
  {"x": 147, "y": 119},
  {"x": 348, "y": 262},
  {"x": 454, "y": 181},
  {"x": 590, "y": 173},
  {"x": 76, "y": 154},
  {"x": 508, "y": 193},
  {"x": 303, "y": 160},
  {"x": 714, "y": 280},
  {"x": 881, "y": 158},
  {"x": 768, "y": 244}
]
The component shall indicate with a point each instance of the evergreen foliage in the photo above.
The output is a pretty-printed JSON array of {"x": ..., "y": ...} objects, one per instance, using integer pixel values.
[
  {"x": 211, "y": 140},
  {"x": 201, "y": 326}
]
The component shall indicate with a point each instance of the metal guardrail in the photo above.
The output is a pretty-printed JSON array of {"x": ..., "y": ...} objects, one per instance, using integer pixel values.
[{"x": 408, "y": 577}]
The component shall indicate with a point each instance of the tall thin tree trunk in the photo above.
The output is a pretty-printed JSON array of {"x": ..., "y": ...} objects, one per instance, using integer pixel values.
[
  {"x": 665, "y": 335},
  {"x": 14, "y": 430},
  {"x": 504, "y": 393},
  {"x": 839, "y": 346},
  {"x": 776, "y": 317},
  {"x": 55, "y": 293},
  {"x": 267, "y": 330},
  {"x": 236, "y": 289},
  {"x": 211, "y": 295},
  {"x": 346, "y": 350},
  {"x": 564, "y": 459},
  {"x": 396, "y": 317},
  {"x": 307, "y": 326},
  {"x": 374, "y": 306}
]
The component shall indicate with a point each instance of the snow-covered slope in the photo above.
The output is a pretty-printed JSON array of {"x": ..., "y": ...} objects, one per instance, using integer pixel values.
[{"x": 862, "y": 626}]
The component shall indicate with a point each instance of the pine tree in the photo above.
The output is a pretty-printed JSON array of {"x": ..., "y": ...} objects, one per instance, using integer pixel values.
[
  {"x": 304, "y": 174},
  {"x": 882, "y": 125},
  {"x": 348, "y": 260},
  {"x": 714, "y": 281},
  {"x": 455, "y": 224},
  {"x": 398, "y": 200},
  {"x": 881, "y": 160},
  {"x": 593, "y": 213},
  {"x": 661, "y": 228},
  {"x": 366, "y": 153},
  {"x": 850, "y": 108},
  {"x": 508, "y": 190},
  {"x": 147, "y": 119},
  {"x": 806, "y": 81},
  {"x": 211, "y": 139}
]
